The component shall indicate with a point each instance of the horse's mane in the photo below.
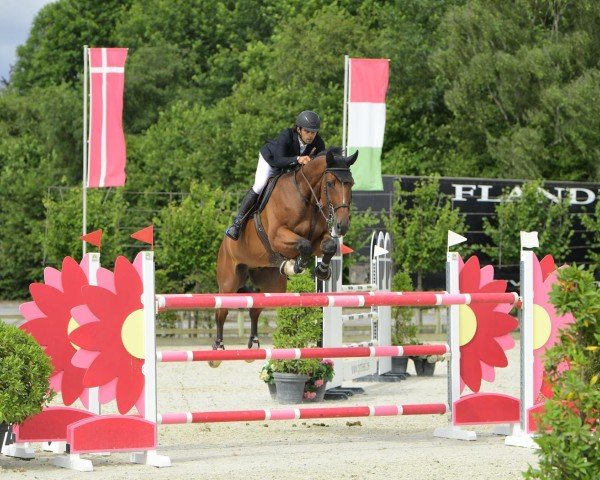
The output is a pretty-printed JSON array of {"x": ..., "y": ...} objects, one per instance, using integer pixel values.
[{"x": 336, "y": 151}]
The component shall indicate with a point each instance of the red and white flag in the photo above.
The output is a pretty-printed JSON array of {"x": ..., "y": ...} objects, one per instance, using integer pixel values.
[
  {"x": 106, "y": 149},
  {"x": 368, "y": 84}
]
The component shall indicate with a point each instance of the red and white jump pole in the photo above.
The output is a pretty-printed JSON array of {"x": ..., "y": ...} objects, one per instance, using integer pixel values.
[
  {"x": 278, "y": 300},
  {"x": 298, "y": 353},
  {"x": 301, "y": 413}
]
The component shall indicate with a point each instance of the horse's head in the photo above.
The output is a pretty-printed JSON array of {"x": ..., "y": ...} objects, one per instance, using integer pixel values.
[{"x": 336, "y": 189}]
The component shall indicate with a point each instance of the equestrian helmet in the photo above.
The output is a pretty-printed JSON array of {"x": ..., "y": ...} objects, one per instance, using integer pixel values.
[{"x": 308, "y": 120}]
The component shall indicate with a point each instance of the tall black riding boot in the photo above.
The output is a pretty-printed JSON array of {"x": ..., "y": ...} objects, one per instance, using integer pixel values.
[{"x": 236, "y": 228}]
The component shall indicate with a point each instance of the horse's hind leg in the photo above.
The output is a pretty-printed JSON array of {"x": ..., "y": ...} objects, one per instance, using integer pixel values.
[
  {"x": 268, "y": 280},
  {"x": 220, "y": 317},
  {"x": 253, "y": 340}
]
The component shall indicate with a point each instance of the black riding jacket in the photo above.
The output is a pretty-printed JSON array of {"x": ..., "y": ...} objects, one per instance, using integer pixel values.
[{"x": 282, "y": 153}]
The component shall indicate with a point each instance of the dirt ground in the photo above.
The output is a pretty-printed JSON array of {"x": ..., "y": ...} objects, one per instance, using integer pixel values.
[{"x": 380, "y": 447}]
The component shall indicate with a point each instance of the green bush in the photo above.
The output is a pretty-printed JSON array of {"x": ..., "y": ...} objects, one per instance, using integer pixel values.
[
  {"x": 569, "y": 436},
  {"x": 298, "y": 328},
  {"x": 24, "y": 375},
  {"x": 404, "y": 332}
]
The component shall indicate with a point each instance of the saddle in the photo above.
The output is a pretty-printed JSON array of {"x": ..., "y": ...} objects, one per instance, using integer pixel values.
[
  {"x": 263, "y": 199},
  {"x": 275, "y": 259}
]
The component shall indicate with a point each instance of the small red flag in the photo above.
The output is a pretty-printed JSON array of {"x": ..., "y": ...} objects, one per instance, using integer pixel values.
[
  {"x": 93, "y": 238},
  {"x": 145, "y": 235},
  {"x": 346, "y": 249}
]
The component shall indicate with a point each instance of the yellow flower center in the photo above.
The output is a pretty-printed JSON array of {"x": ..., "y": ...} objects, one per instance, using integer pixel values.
[
  {"x": 133, "y": 335},
  {"x": 72, "y": 325},
  {"x": 542, "y": 326},
  {"x": 467, "y": 325}
]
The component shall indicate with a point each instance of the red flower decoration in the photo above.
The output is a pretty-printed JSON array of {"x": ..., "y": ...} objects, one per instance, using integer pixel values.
[
  {"x": 49, "y": 321},
  {"x": 117, "y": 337},
  {"x": 484, "y": 328}
]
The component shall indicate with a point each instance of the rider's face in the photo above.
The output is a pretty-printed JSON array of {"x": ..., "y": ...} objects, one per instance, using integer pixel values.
[{"x": 306, "y": 136}]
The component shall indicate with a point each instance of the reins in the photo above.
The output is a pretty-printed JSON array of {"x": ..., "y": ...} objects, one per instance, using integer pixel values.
[{"x": 328, "y": 220}]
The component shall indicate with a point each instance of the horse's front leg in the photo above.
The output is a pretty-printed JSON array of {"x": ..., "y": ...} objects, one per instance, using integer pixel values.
[
  {"x": 328, "y": 247},
  {"x": 293, "y": 246}
]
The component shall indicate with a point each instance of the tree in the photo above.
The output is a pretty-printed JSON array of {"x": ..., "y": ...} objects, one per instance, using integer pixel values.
[
  {"x": 527, "y": 209},
  {"x": 518, "y": 80},
  {"x": 419, "y": 224},
  {"x": 189, "y": 236},
  {"x": 23, "y": 173},
  {"x": 106, "y": 209},
  {"x": 53, "y": 51}
]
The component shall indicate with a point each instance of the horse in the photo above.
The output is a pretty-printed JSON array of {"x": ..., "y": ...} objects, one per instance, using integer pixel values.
[{"x": 308, "y": 208}]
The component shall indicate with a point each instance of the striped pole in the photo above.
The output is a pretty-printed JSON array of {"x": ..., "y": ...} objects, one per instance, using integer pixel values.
[
  {"x": 302, "y": 413},
  {"x": 297, "y": 353},
  {"x": 275, "y": 300}
]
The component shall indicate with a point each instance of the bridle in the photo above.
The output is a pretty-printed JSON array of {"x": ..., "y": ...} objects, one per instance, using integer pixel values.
[{"x": 330, "y": 207}]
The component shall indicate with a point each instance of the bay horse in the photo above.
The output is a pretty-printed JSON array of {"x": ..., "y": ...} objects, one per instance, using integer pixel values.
[{"x": 308, "y": 207}]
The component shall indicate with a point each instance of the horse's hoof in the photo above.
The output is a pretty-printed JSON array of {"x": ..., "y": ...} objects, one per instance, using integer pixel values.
[
  {"x": 321, "y": 274},
  {"x": 218, "y": 345},
  {"x": 253, "y": 340}
]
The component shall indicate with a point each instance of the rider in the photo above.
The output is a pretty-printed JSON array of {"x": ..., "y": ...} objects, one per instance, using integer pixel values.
[{"x": 294, "y": 146}]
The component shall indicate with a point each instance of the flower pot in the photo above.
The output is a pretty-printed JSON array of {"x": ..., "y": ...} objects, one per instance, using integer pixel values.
[
  {"x": 272, "y": 390},
  {"x": 319, "y": 394},
  {"x": 423, "y": 367},
  {"x": 399, "y": 365},
  {"x": 290, "y": 387}
]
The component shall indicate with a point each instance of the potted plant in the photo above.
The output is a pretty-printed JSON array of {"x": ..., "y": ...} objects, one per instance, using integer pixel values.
[
  {"x": 296, "y": 328},
  {"x": 24, "y": 377},
  {"x": 404, "y": 332},
  {"x": 314, "y": 390},
  {"x": 266, "y": 375}
]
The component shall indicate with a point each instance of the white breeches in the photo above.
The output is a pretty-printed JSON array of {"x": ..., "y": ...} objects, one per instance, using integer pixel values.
[{"x": 263, "y": 172}]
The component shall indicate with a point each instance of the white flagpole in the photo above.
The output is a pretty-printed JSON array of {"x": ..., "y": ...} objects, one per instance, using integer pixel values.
[
  {"x": 85, "y": 144},
  {"x": 345, "y": 114}
]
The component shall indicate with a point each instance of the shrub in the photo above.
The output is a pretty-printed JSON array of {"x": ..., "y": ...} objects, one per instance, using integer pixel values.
[
  {"x": 569, "y": 437},
  {"x": 298, "y": 328},
  {"x": 24, "y": 375}
]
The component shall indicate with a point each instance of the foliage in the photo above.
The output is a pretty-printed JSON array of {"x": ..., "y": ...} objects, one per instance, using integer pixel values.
[
  {"x": 189, "y": 236},
  {"x": 23, "y": 170},
  {"x": 298, "y": 328},
  {"x": 419, "y": 222},
  {"x": 404, "y": 332},
  {"x": 107, "y": 209},
  {"x": 359, "y": 234},
  {"x": 24, "y": 375},
  {"x": 526, "y": 208},
  {"x": 592, "y": 224},
  {"x": 569, "y": 436},
  {"x": 52, "y": 53},
  {"x": 519, "y": 78}
]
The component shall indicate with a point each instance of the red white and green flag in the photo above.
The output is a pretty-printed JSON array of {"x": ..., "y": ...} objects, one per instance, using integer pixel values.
[{"x": 367, "y": 87}]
